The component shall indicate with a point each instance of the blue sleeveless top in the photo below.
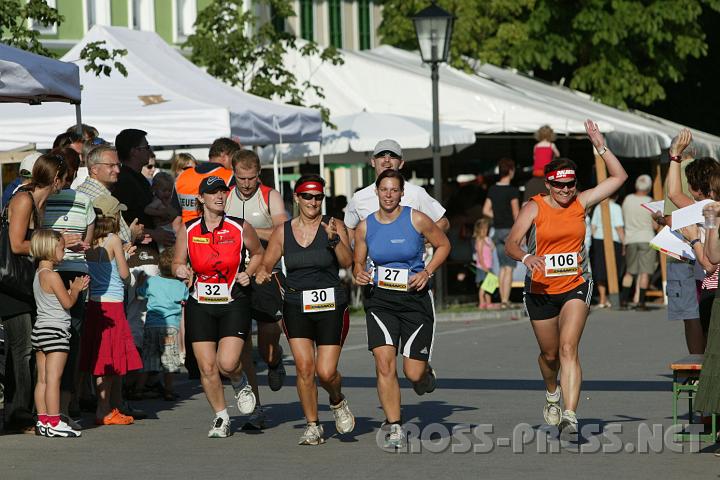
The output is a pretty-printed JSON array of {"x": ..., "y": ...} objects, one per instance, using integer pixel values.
[
  {"x": 396, "y": 244},
  {"x": 105, "y": 281}
]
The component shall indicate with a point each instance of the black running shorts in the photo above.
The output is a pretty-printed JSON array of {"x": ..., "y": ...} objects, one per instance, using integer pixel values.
[
  {"x": 267, "y": 299},
  {"x": 325, "y": 328},
  {"x": 403, "y": 319},
  {"x": 211, "y": 322},
  {"x": 541, "y": 306}
]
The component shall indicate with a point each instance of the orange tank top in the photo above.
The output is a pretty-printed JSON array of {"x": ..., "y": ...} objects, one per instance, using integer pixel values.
[
  {"x": 187, "y": 185},
  {"x": 559, "y": 235}
]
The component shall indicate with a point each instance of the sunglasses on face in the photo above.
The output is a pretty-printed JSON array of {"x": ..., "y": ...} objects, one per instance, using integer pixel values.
[
  {"x": 561, "y": 185},
  {"x": 309, "y": 196},
  {"x": 150, "y": 166},
  {"x": 387, "y": 154}
]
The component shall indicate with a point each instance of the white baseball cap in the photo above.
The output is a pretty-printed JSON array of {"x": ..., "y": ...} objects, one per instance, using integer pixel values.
[{"x": 27, "y": 164}]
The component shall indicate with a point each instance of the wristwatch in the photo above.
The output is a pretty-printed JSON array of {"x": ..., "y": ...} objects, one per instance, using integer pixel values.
[
  {"x": 693, "y": 242},
  {"x": 332, "y": 243},
  {"x": 601, "y": 151}
]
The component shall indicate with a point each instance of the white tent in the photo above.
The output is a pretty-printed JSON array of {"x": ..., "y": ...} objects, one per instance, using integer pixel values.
[
  {"x": 355, "y": 136},
  {"x": 174, "y": 101}
]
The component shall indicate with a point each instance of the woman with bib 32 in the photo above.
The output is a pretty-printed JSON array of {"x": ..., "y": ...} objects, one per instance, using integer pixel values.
[{"x": 558, "y": 286}]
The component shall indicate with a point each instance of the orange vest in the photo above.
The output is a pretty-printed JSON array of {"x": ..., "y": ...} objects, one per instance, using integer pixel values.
[
  {"x": 558, "y": 230},
  {"x": 187, "y": 184}
]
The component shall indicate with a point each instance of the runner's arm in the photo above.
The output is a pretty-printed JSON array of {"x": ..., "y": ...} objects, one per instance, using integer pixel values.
[
  {"x": 277, "y": 213},
  {"x": 616, "y": 173},
  {"x": 254, "y": 248},
  {"x": 360, "y": 252},
  {"x": 342, "y": 250}
]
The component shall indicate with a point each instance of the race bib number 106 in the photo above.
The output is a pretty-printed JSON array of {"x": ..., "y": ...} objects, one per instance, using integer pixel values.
[{"x": 561, "y": 264}]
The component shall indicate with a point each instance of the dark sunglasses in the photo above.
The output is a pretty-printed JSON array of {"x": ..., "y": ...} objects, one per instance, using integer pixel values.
[
  {"x": 388, "y": 153},
  {"x": 561, "y": 185},
  {"x": 150, "y": 166},
  {"x": 309, "y": 196}
]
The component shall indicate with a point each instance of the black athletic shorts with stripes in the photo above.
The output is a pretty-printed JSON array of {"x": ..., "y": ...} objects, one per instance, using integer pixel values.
[
  {"x": 324, "y": 328},
  {"x": 543, "y": 306},
  {"x": 403, "y": 319}
]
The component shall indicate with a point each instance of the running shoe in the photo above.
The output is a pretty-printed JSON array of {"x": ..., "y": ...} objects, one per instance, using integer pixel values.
[
  {"x": 62, "y": 429},
  {"x": 276, "y": 374},
  {"x": 40, "y": 429},
  {"x": 256, "y": 421},
  {"x": 396, "y": 437},
  {"x": 73, "y": 424},
  {"x": 313, "y": 435},
  {"x": 568, "y": 424},
  {"x": 427, "y": 384},
  {"x": 220, "y": 428},
  {"x": 245, "y": 399},
  {"x": 552, "y": 412},
  {"x": 344, "y": 419},
  {"x": 115, "y": 418}
]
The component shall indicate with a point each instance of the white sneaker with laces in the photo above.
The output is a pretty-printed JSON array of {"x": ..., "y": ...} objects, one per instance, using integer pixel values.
[
  {"x": 62, "y": 429},
  {"x": 245, "y": 398},
  {"x": 552, "y": 412},
  {"x": 568, "y": 424},
  {"x": 40, "y": 429},
  {"x": 344, "y": 419},
  {"x": 313, "y": 435},
  {"x": 220, "y": 428},
  {"x": 396, "y": 437}
]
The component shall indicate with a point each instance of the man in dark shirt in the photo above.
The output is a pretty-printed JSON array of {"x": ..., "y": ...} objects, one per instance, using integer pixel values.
[{"x": 502, "y": 205}]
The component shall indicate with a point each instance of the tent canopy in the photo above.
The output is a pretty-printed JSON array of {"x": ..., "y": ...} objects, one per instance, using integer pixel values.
[
  {"x": 164, "y": 94},
  {"x": 30, "y": 78}
]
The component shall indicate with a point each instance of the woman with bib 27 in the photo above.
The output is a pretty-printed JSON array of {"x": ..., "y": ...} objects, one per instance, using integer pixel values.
[{"x": 558, "y": 286}]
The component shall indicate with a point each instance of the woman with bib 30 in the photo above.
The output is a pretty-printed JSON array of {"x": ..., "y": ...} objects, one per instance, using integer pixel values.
[
  {"x": 398, "y": 305},
  {"x": 315, "y": 313},
  {"x": 217, "y": 314},
  {"x": 558, "y": 286}
]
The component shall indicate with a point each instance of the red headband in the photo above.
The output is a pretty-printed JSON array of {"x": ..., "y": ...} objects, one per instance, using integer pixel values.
[
  {"x": 558, "y": 174},
  {"x": 308, "y": 186}
]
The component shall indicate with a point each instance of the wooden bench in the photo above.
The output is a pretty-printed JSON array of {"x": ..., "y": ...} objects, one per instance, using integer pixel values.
[{"x": 686, "y": 374}]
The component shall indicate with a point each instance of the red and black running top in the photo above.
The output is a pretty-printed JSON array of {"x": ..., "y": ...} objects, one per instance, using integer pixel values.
[{"x": 216, "y": 258}]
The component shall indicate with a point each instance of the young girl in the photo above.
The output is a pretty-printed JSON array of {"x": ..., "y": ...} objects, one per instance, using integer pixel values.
[
  {"x": 51, "y": 332},
  {"x": 544, "y": 151},
  {"x": 108, "y": 351},
  {"x": 484, "y": 247}
]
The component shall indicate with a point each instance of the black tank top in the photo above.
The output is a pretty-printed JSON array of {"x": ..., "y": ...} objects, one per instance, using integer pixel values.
[{"x": 312, "y": 267}]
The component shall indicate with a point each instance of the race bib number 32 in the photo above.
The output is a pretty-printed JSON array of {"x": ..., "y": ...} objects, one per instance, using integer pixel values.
[
  {"x": 320, "y": 300},
  {"x": 212, "y": 293},
  {"x": 393, "y": 278},
  {"x": 561, "y": 264}
]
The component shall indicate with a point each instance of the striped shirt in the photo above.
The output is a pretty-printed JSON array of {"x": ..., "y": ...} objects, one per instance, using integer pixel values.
[
  {"x": 73, "y": 212},
  {"x": 93, "y": 189},
  {"x": 710, "y": 282}
]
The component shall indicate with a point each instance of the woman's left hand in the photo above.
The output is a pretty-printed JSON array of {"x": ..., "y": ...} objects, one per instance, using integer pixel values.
[
  {"x": 419, "y": 280},
  {"x": 594, "y": 134}
]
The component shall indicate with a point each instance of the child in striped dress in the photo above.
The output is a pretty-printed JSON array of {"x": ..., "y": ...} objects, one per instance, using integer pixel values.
[{"x": 51, "y": 332}]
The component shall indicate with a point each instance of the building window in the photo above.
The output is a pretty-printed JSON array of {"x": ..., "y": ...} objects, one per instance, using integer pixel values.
[
  {"x": 335, "y": 14},
  {"x": 186, "y": 14},
  {"x": 43, "y": 29},
  {"x": 143, "y": 15},
  {"x": 98, "y": 13},
  {"x": 364, "y": 34},
  {"x": 307, "y": 21}
]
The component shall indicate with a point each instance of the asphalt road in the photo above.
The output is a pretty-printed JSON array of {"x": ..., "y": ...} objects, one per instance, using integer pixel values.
[{"x": 489, "y": 394}]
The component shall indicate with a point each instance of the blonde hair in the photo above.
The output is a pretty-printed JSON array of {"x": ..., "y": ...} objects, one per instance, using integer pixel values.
[
  {"x": 178, "y": 162},
  {"x": 479, "y": 225},
  {"x": 545, "y": 133},
  {"x": 43, "y": 243},
  {"x": 105, "y": 225}
]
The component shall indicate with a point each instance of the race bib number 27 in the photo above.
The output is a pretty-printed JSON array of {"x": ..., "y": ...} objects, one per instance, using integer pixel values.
[
  {"x": 393, "y": 278},
  {"x": 561, "y": 264}
]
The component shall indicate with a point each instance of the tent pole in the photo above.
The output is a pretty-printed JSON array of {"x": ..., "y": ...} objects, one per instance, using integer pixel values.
[
  {"x": 276, "y": 171},
  {"x": 322, "y": 175},
  {"x": 78, "y": 119}
]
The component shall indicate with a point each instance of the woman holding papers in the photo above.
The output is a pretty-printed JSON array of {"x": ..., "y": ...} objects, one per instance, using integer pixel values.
[{"x": 558, "y": 286}]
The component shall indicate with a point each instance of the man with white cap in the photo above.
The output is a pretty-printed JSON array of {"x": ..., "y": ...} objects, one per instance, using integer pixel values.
[
  {"x": 25, "y": 176},
  {"x": 388, "y": 155}
]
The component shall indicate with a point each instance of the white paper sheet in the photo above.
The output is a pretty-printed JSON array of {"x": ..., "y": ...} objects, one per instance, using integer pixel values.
[
  {"x": 658, "y": 206},
  {"x": 673, "y": 244},
  {"x": 683, "y": 217}
]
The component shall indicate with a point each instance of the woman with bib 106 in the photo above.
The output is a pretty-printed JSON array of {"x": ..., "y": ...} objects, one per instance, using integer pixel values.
[{"x": 558, "y": 287}]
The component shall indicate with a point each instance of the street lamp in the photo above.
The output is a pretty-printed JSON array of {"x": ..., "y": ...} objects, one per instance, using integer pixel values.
[{"x": 433, "y": 28}]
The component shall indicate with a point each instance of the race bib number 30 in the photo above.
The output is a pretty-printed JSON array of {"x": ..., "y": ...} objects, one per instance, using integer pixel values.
[
  {"x": 320, "y": 300},
  {"x": 561, "y": 264},
  {"x": 212, "y": 293},
  {"x": 393, "y": 278}
]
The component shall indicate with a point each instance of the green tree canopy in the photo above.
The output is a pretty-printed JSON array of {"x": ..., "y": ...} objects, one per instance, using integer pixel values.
[
  {"x": 237, "y": 48},
  {"x": 619, "y": 51}
]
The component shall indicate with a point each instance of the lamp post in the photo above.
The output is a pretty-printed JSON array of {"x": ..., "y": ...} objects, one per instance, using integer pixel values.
[{"x": 433, "y": 28}]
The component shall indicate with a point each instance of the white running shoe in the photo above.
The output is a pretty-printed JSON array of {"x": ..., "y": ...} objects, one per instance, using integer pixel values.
[
  {"x": 62, "y": 429},
  {"x": 396, "y": 437},
  {"x": 256, "y": 421},
  {"x": 568, "y": 424},
  {"x": 220, "y": 428},
  {"x": 73, "y": 424},
  {"x": 40, "y": 429},
  {"x": 276, "y": 375},
  {"x": 552, "y": 412},
  {"x": 245, "y": 399},
  {"x": 344, "y": 419},
  {"x": 313, "y": 435}
]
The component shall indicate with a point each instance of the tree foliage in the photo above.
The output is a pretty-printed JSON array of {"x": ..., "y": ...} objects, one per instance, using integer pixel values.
[
  {"x": 15, "y": 30},
  {"x": 238, "y": 49},
  {"x": 620, "y": 51}
]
